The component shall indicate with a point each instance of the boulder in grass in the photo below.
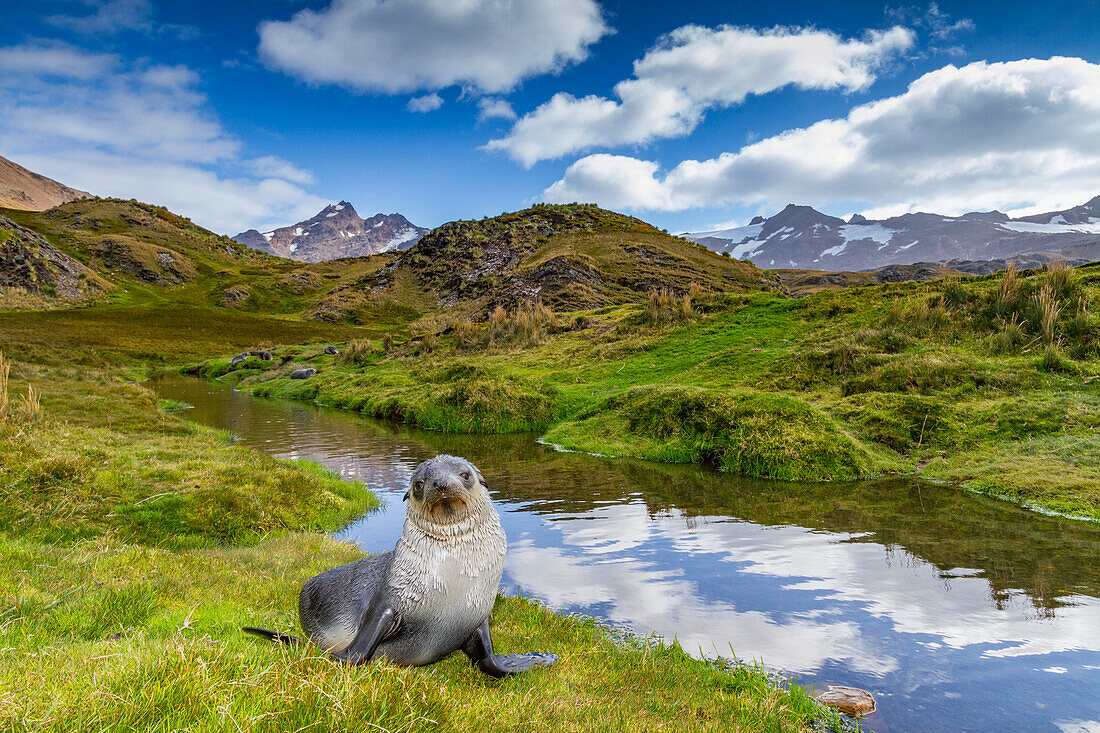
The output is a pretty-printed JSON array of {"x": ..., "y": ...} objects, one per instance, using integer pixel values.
[{"x": 848, "y": 700}]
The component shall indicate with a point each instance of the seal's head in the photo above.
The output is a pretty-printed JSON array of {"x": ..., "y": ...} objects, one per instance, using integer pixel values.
[{"x": 446, "y": 490}]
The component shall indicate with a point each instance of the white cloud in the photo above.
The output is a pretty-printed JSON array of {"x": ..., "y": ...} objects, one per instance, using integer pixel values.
[
  {"x": 694, "y": 69},
  {"x": 938, "y": 25},
  {"x": 614, "y": 181},
  {"x": 113, "y": 16},
  {"x": 427, "y": 103},
  {"x": 272, "y": 166},
  {"x": 146, "y": 132},
  {"x": 407, "y": 45},
  {"x": 1020, "y": 135},
  {"x": 110, "y": 16},
  {"x": 53, "y": 59},
  {"x": 491, "y": 108}
]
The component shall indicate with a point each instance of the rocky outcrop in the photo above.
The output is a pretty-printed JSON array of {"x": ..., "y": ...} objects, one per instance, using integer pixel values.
[
  {"x": 29, "y": 262},
  {"x": 144, "y": 261},
  {"x": 464, "y": 260},
  {"x": 233, "y": 297}
]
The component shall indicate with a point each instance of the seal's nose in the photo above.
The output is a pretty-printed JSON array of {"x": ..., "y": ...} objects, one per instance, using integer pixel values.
[{"x": 437, "y": 488}]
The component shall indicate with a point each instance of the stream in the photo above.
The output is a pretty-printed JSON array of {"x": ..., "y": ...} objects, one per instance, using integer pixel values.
[{"x": 956, "y": 611}]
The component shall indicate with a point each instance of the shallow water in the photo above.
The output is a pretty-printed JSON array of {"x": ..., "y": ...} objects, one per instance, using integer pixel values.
[{"x": 956, "y": 611}]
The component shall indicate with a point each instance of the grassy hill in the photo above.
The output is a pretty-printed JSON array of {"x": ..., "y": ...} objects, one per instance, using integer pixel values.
[{"x": 572, "y": 257}]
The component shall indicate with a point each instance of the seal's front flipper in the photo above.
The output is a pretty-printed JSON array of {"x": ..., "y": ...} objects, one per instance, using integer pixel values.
[
  {"x": 273, "y": 635},
  {"x": 479, "y": 648},
  {"x": 377, "y": 624}
]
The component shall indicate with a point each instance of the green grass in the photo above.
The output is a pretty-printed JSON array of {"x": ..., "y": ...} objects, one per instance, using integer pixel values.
[
  {"x": 102, "y": 634},
  {"x": 916, "y": 378},
  {"x": 106, "y": 460},
  {"x": 134, "y": 545}
]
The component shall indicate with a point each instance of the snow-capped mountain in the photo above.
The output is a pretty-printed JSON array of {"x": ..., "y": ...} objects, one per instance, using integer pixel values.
[
  {"x": 337, "y": 231},
  {"x": 801, "y": 237}
]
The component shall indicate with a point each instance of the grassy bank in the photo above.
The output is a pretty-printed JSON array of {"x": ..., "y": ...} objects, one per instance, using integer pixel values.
[
  {"x": 992, "y": 383},
  {"x": 133, "y": 545}
]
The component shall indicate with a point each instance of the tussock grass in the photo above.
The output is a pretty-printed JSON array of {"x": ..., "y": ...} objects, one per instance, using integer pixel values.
[
  {"x": 30, "y": 406},
  {"x": 461, "y": 398},
  {"x": 358, "y": 353},
  {"x": 751, "y": 433},
  {"x": 664, "y": 307},
  {"x": 527, "y": 324},
  {"x": 910, "y": 396}
]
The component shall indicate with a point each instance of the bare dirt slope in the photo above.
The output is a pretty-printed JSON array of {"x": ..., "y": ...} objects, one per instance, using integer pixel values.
[{"x": 29, "y": 191}]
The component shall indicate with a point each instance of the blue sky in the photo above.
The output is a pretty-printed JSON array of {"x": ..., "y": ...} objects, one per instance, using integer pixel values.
[{"x": 255, "y": 114}]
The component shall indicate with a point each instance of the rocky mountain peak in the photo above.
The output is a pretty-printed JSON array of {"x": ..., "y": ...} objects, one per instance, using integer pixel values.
[
  {"x": 803, "y": 238},
  {"x": 336, "y": 231},
  {"x": 994, "y": 216}
]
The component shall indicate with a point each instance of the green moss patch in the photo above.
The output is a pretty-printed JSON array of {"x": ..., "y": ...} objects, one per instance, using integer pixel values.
[{"x": 745, "y": 432}]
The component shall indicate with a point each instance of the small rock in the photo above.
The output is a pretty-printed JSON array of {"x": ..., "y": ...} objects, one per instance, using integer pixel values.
[
  {"x": 119, "y": 634},
  {"x": 848, "y": 700}
]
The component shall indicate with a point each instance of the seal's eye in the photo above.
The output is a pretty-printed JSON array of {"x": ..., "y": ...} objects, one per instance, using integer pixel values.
[
  {"x": 418, "y": 485},
  {"x": 465, "y": 475}
]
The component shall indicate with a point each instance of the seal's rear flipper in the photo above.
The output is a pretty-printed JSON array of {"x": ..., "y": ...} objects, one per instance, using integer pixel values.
[
  {"x": 378, "y": 623},
  {"x": 272, "y": 635},
  {"x": 479, "y": 648}
]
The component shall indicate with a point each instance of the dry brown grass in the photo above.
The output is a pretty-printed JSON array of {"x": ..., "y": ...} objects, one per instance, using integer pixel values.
[
  {"x": 1008, "y": 289},
  {"x": 664, "y": 306},
  {"x": 358, "y": 352},
  {"x": 12, "y": 298},
  {"x": 528, "y": 324},
  {"x": 467, "y": 336},
  {"x": 426, "y": 344},
  {"x": 1048, "y": 307},
  {"x": 5, "y": 372},
  {"x": 30, "y": 407}
]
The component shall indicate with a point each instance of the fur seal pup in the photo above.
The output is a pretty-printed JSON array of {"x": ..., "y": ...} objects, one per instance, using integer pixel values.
[
  {"x": 331, "y": 350},
  {"x": 429, "y": 596},
  {"x": 238, "y": 358},
  {"x": 264, "y": 355},
  {"x": 303, "y": 373}
]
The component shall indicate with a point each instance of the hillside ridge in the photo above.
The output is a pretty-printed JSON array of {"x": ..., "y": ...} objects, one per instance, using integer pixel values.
[{"x": 29, "y": 191}]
